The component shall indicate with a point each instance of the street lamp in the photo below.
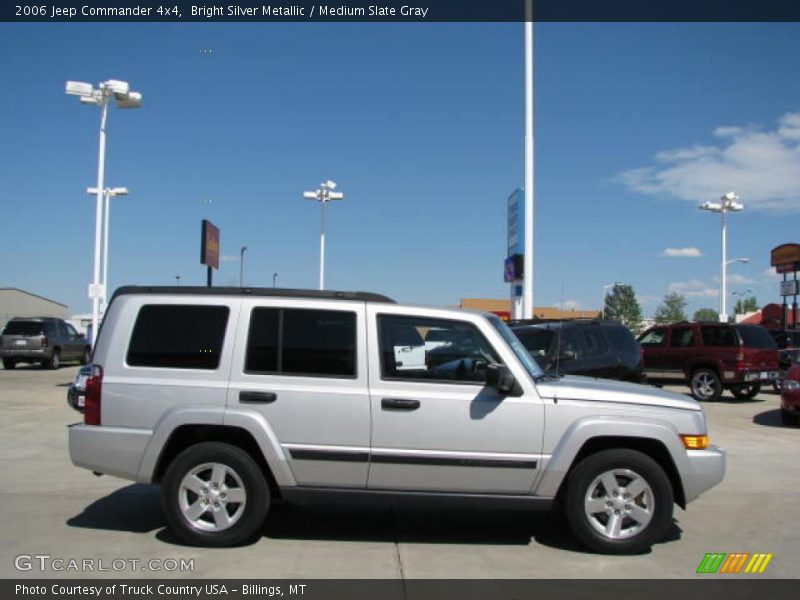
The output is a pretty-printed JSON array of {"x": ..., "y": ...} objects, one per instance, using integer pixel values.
[
  {"x": 241, "y": 264},
  {"x": 108, "y": 193},
  {"x": 101, "y": 96},
  {"x": 324, "y": 194},
  {"x": 728, "y": 203},
  {"x": 177, "y": 280},
  {"x": 274, "y": 278}
]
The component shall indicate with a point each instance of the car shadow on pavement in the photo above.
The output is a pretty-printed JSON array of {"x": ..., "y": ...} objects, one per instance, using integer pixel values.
[
  {"x": 134, "y": 508},
  {"x": 769, "y": 418}
]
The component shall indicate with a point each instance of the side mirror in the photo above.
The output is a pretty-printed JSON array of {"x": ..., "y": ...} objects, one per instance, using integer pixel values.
[{"x": 501, "y": 379}]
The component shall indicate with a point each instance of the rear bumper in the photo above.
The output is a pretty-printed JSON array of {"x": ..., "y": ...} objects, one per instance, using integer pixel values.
[
  {"x": 111, "y": 450},
  {"x": 705, "y": 470},
  {"x": 25, "y": 353},
  {"x": 757, "y": 376}
]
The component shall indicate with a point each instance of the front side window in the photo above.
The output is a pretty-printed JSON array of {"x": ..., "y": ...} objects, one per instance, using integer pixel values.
[
  {"x": 654, "y": 338},
  {"x": 178, "y": 336},
  {"x": 405, "y": 355},
  {"x": 316, "y": 343},
  {"x": 682, "y": 337}
]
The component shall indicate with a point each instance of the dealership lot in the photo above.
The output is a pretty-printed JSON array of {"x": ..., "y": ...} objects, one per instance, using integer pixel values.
[{"x": 52, "y": 508}]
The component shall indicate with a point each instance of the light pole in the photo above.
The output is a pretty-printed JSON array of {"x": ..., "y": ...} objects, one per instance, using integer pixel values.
[
  {"x": 101, "y": 96},
  {"x": 728, "y": 203},
  {"x": 241, "y": 264},
  {"x": 324, "y": 195},
  {"x": 527, "y": 279},
  {"x": 742, "y": 294},
  {"x": 177, "y": 280},
  {"x": 108, "y": 193},
  {"x": 274, "y": 278}
]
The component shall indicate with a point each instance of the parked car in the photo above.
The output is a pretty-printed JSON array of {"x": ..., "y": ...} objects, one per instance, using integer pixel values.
[
  {"x": 76, "y": 392},
  {"x": 788, "y": 342},
  {"x": 591, "y": 347},
  {"x": 230, "y": 399},
  {"x": 44, "y": 340},
  {"x": 790, "y": 396},
  {"x": 711, "y": 357}
]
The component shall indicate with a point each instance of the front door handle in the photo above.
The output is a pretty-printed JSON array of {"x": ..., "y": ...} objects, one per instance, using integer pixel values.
[
  {"x": 262, "y": 397},
  {"x": 399, "y": 404}
]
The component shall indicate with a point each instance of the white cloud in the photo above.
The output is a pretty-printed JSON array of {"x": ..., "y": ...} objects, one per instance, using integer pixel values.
[
  {"x": 763, "y": 167},
  {"x": 694, "y": 288},
  {"x": 682, "y": 252},
  {"x": 735, "y": 279},
  {"x": 569, "y": 305},
  {"x": 225, "y": 258},
  {"x": 771, "y": 274}
]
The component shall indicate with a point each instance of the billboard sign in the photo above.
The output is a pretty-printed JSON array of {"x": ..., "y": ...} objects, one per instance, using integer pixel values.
[
  {"x": 209, "y": 245},
  {"x": 786, "y": 256}
]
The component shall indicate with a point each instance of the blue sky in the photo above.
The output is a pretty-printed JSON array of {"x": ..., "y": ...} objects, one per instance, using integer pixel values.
[{"x": 422, "y": 127}]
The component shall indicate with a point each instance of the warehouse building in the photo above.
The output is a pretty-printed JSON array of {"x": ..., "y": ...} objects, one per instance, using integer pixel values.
[{"x": 19, "y": 303}]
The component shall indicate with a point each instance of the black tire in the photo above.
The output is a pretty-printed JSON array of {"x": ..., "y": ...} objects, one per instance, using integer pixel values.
[
  {"x": 622, "y": 461},
  {"x": 789, "y": 419},
  {"x": 705, "y": 385},
  {"x": 256, "y": 491},
  {"x": 86, "y": 356},
  {"x": 9, "y": 363},
  {"x": 55, "y": 361},
  {"x": 746, "y": 391}
]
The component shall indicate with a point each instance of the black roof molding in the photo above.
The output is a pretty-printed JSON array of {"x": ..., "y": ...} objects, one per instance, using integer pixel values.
[{"x": 251, "y": 291}]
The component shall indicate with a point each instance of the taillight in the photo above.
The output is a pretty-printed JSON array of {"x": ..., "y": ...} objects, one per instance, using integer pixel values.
[
  {"x": 92, "y": 402},
  {"x": 740, "y": 361},
  {"x": 44, "y": 342}
]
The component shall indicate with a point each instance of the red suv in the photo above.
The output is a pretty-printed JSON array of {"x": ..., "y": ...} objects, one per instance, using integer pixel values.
[{"x": 711, "y": 357}]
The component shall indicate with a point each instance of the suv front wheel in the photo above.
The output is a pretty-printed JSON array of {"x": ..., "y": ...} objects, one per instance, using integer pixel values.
[
  {"x": 619, "y": 501},
  {"x": 706, "y": 385},
  {"x": 214, "y": 494}
]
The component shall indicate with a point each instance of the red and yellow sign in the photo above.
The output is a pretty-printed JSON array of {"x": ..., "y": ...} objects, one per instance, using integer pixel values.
[
  {"x": 785, "y": 258},
  {"x": 209, "y": 245}
]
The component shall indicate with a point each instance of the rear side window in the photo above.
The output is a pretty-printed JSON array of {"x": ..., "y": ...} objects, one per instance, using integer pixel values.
[
  {"x": 719, "y": 337},
  {"x": 316, "y": 343},
  {"x": 25, "y": 328},
  {"x": 595, "y": 342},
  {"x": 682, "y": 337},
  {"x": 755, "y": 336},
  {"x": 178, "y": 336}
]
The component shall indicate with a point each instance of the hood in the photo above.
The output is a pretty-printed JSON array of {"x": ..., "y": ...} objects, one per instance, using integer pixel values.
[{"x": 571, "y": 387}]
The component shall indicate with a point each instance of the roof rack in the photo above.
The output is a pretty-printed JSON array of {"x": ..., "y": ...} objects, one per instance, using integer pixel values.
[{"x": 251, "y": 291}]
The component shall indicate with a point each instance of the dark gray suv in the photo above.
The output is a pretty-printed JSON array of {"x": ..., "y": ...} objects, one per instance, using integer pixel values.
[{"x": 44, "y": 340}]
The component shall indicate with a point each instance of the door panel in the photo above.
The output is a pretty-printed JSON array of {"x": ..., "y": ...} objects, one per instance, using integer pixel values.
[
  {"x": 321, "y": 419},
  {"x": 435, "y": 430}
]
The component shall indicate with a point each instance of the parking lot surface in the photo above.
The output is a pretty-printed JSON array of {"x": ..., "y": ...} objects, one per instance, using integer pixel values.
[{"x": 50, "y": 507}]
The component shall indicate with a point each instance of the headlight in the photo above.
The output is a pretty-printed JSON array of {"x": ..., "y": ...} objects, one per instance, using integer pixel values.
[{"x": 791, "y": 385}]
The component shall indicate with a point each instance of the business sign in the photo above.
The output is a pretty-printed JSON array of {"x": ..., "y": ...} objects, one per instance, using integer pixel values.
[
  {"x": 513, "y": 268},
  {"x": 790, "y": 288},
  {"x": 209, "y": 245},
  {"x": 785, "y": 254},
  {"x": 516, "y": 223}
]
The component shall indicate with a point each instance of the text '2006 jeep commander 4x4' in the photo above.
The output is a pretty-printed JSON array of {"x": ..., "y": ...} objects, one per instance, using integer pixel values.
[{"x": 230, "y": 398}]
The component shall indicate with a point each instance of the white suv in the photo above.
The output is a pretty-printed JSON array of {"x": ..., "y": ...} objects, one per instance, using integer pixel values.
[{"x": 232, "y": 398}]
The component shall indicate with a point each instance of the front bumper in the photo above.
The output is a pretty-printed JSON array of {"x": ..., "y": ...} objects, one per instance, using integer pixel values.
[{"x": 706, "y": 469}]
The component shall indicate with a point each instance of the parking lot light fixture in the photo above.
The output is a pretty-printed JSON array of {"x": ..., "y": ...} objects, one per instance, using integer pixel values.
[
  {"x": 727, "y": 203},
  {"x": 100, "y": 96},
  {"x": 241, "y": 265},
  {"x": 603, "y": 305},
  {"x": 324, "y": 195}
]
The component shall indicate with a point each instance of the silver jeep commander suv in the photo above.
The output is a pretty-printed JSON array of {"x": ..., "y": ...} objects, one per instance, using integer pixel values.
[{"x": 231, "y": 398}]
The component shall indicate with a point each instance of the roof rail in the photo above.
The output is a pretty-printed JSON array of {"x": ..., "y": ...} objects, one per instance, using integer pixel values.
[{"x": 251, "y": 291}]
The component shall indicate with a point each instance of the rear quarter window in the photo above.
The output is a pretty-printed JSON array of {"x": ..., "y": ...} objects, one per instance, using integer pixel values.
[
  {"x": 755, "y": 336},
  {"x": 178, "y": 336},
  {"x": 621, "y": 339}
]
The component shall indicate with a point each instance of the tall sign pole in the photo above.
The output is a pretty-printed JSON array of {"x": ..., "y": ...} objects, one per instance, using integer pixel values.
[{"x": 527, "y": 279}]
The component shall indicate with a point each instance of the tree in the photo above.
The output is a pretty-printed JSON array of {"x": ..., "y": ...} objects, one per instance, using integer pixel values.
[
  {"x": 745, "y": 305},
  {"x": 705, "y": 314},
  {"x": 622, "y": 306},
  {"x": 672, "y": 309}
]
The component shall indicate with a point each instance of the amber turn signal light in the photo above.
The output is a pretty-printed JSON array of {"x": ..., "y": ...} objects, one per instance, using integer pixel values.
[{"x": 695, "y": 442}]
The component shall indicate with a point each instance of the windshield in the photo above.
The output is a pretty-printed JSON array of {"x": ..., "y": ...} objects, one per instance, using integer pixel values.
[
  {"x": 24, "y": 328},
  {"x": 526, "y": 359}
]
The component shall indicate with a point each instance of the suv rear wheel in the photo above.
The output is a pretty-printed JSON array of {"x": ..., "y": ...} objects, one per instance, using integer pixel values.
[
  {"x": 746, "y": 391},
  {"x": 55, "y": 360},
  {"x": 8, "y": 363},
  {"x": 619, "y": 501},
  {"x": 706, "y": 385},
  {"x": 214, "y": 494}
]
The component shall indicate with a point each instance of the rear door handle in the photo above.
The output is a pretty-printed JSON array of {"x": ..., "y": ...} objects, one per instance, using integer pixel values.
[
  {"x": 400, "y": 404},
  {"x": 262, "y": 397}
]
